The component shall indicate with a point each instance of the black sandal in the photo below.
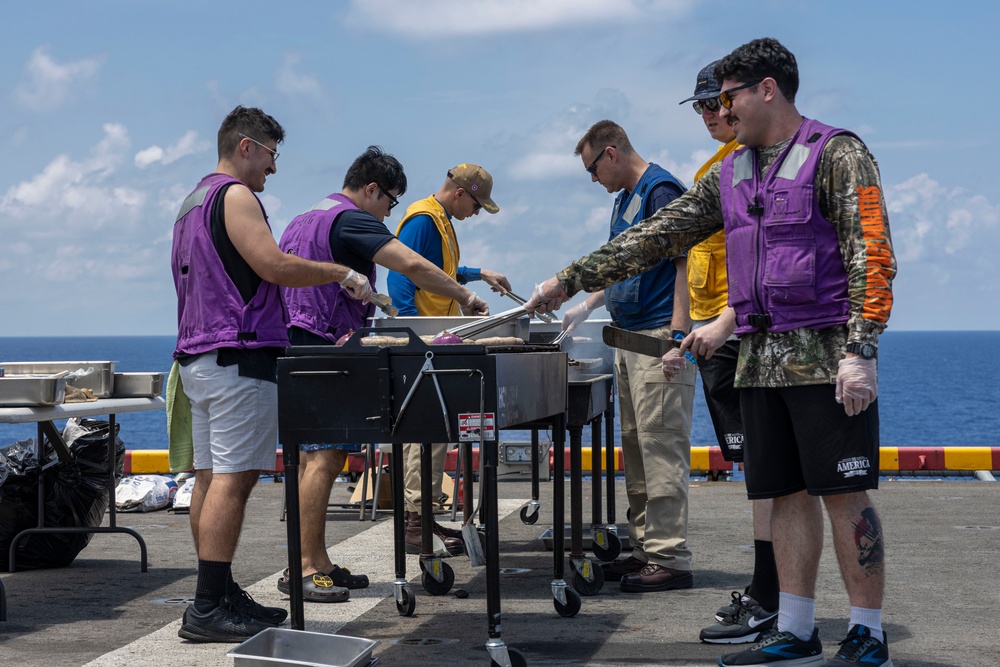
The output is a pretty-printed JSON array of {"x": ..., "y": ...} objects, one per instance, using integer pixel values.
[
  {"x": 316, "y": 587},
  {"x": 341, "y": 576}
]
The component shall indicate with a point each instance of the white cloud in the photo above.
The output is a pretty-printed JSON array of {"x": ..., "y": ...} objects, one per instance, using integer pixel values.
[
  {"x": 292, "y": 82},
  {"x": 432, "y": 18},
  {"x": 51, "y": 84},
  {"x": 72, "y": 194},
  {"x": 189, "y": 144},
  {"x": 929, "y": 221}
]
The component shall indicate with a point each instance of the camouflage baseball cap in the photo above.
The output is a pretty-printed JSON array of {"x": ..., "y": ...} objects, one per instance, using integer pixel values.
[
  {"x": 707, "y": 87},
  {"x": 477, "y": 182}
]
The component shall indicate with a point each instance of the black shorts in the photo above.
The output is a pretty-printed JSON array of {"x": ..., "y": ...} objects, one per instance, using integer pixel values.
[
  {"x": 723, "y": 400},
  {"x": 800, "y": 438}
]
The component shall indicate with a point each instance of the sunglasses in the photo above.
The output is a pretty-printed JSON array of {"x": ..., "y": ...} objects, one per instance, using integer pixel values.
[
  {"x": 725, "y": 96},
  {"x": 476, "y": 206},
  {"x": 393, "y": 202},
  {"x": 712, "y": 104},
  {"x": 592, "y": 169}
]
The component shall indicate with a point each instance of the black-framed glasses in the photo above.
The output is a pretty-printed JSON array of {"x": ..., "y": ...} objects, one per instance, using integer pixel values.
[
  {"x": 724, "y": 96},
  {"x": 475, "y": 202},
  {"x": 392, "y": 200},
  {"x": 274, "y": 153},
  {"x": 592, "y": 169},
  {"x": 712, "y": 104}
]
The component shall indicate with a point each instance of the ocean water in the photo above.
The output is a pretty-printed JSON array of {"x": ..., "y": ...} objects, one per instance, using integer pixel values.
[{"x": 936, "y": 389}]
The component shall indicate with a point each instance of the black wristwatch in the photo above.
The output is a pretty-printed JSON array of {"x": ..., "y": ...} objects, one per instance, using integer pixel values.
[{"x": 864, "y": 350}]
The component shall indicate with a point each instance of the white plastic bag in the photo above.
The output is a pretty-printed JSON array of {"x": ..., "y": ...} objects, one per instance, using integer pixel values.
[
  {"x": 144, "y": 493},
  {"x": 182, "y": 499}
]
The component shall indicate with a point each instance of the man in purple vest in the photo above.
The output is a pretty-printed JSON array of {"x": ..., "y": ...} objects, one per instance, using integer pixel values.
[
  {"x": 231, "y": 329},
  {"x": 810, "y": 266},
  {"x": 347, "y": 228}
]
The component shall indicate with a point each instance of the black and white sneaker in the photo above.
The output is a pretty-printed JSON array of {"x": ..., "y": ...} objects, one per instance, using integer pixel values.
[
  {"x": 747, "y": 625},
  {"x": 861, "y": 650},
  {"x": 727, "y": 612},
  {"x": 230, "y": 623}
]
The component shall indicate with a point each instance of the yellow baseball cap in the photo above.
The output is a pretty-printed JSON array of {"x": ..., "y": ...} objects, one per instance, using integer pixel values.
[{"x": 477, "y": 182}]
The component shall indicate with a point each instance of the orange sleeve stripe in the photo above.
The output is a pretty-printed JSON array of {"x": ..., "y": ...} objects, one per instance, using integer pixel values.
[{"x": 878, "y": 295}]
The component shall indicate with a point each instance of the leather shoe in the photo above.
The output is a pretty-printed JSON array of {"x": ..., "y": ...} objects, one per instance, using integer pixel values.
[
  {"x": 615, "y": 570},
  {"x": 653, "y": 578}
]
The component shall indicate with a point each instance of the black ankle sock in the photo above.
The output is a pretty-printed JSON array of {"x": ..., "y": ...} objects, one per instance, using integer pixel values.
[
  {"x": 213, "y": 582},
  {"x": 764, "y": 587}
]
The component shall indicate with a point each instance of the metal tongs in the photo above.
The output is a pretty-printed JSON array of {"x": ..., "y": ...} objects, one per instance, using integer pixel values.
[
  {"x": 548, "y": 318},
  {"x": 484, "y": 324}
]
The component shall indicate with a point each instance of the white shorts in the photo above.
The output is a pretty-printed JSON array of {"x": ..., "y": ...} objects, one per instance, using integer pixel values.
[{"x": 234, "y": 419}]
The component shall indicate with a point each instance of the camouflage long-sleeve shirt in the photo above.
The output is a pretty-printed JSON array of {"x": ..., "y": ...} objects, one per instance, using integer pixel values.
[{"x": 850, "y": 197}]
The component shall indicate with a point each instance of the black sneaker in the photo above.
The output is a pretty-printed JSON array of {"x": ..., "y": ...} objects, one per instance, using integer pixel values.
[
  {"x": 726, "y": 613},
  {"x": 778, "y": 648},
  {"x": 747, "y": 625},
  {"x": 861, "y": 649},
  {"x": 229, "y": 622},
  {"x": 270, "y": 615}
]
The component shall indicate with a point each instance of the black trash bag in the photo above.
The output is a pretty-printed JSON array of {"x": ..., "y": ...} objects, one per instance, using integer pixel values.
[{"x": 76, "y": 495}]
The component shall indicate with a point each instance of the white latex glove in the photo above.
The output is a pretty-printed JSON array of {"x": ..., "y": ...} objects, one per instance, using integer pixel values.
[
  {"x": 475, "y": 306},
  {"x": 857, "y": 384},
  {"x": 547, "y": 297},
  {"x": 357, "y": 286},
  {"x": 575, "y": 315},
  {"x": 672, "y": 363}
]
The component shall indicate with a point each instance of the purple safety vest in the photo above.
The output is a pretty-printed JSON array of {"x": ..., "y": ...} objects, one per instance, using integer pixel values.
[
  {"x": 327, "y": 310},
  {"x": 210, "y": 310},
  {"x": 782, "y": 256}
]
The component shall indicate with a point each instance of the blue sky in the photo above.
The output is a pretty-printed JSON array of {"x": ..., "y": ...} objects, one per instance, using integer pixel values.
[{"x": 109, "y": 110}]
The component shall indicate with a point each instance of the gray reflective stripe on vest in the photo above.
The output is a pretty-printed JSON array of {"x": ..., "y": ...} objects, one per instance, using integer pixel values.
[
  {"x": 742, "y": 167},
  {"x": 326, "y": 204},
  {"x": 797, "y": 156},
  {"x": 196, "y": 198}
]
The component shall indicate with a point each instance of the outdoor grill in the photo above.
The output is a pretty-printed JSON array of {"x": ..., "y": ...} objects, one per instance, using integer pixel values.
[{"x": 418, "y": 393}]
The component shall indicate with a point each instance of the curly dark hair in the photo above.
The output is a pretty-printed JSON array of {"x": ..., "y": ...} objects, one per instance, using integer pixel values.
[
  {"x": 250, "y": 121},
  {"x": 376, "y": 166},
  {"x": 759, "y": 59}
]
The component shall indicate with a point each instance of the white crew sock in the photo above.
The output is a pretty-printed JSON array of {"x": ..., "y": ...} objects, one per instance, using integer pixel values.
[
  {"x": 796, "y": 615},
  {"x": 870, "y": 618}
]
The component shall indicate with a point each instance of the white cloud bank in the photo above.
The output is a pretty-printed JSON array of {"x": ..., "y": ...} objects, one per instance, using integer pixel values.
[
  {"x": 52, "y": 84},
  {"x": 189, "y": 144}
]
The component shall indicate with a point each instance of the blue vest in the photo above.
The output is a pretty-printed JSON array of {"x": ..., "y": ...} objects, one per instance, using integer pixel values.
[
  {"x": 210, "y": 311},
  {"x": 645, "y": 301},
  {"x": 329, "y": 311},
  {"x": 784, "y": 263}
]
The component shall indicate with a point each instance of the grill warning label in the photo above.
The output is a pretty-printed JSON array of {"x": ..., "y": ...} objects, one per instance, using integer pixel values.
[{"x": 470, "y": 423}]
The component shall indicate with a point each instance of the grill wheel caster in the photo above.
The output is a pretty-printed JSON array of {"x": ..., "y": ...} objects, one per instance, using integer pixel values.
[
  {"x": 585, "y": 587},
  {"x": 611, "y": 551},
  {"x": 517, "y": 659},
  {"x": 528, "y": 519},
  {"x": 572, "y": 606},
  {"x": 435, "y": 587},
  {"x": 409, "y": 603}
]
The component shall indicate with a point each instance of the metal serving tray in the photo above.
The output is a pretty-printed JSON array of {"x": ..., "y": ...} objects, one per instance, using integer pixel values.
[
  {"x": 430, "y": 326},
  {"x": 29, "y": 390},
  {"x": 138, "y": 385},
  {"x": 280, "y": 646},
  {"x": 100, "y": 380}
]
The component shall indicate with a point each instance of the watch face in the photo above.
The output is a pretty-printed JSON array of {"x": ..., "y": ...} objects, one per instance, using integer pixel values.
[{"x": 868, "y": 351}]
